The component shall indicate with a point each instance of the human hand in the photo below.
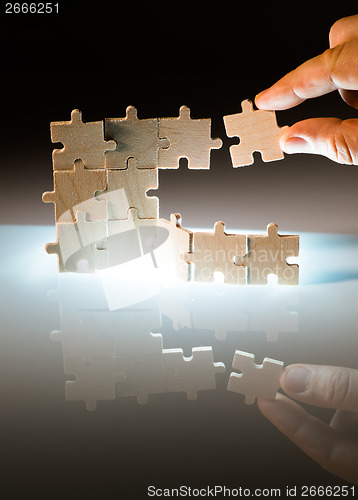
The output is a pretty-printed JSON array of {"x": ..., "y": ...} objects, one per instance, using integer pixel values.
[
  {"x": 333, "y": 446},
  {"x": 335, "y": 69}
]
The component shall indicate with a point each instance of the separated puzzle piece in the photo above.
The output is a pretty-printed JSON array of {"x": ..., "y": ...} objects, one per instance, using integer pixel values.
[
  {"x": 258, "y": 131},
  {"x": 193, "y": 374},
  {"x": 84, "y": 141},
  {"x": 74, "y": 191},
  {"x": 135, "y": 138},
  {"x": 255, "y": 381},
  {"x": 189, "y": 139},
  {"x": 216, "y": 252},
  {"x": 268, "y": 255}
]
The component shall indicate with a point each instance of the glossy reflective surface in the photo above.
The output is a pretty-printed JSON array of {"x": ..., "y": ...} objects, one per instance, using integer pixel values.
[{"x": 101, "y": 402}]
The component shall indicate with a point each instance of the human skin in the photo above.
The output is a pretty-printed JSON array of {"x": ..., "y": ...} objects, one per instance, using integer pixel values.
[{"x": 335, "y": 69}]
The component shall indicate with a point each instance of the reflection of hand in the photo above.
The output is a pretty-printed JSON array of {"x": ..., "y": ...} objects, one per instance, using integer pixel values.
[
  {"x": 336, "y": 68},
  {"x": 334, "y": 446}
]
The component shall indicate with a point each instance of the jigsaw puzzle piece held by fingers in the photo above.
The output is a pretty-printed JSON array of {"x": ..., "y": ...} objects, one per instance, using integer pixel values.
[
  {"x": 216, "y": 252},
  {"x": 135, "y": 138},
  {"x": 189, "y": 139},
  {"x": 84, "y": 141},
  {"x": 74, "y": 191},
  {"x": 255, "y": 381},
  {"x": 127, "y": 188},
  {"x": 258, "y": 131},
  {"x": 268, "y": 255}
]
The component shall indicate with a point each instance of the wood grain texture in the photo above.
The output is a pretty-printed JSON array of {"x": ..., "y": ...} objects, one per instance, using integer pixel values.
[
  {"x": 74, "y": 190},
  {"x": 267, "y": 254},
  {"x": 189, "y": 139},
  {"x": 216, "y": 252},
  {"x": 84, "y": 141},
  {"x": 258, "y": 131},
  {"x": 135, "y": 138}
]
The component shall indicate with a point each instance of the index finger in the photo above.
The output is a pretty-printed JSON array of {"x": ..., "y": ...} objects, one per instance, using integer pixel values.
[{"x": 335, "y": 69}]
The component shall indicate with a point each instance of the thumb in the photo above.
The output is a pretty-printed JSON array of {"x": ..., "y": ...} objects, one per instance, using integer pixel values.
[
  {"x": 325, "y": 386},
  {"x": 331, "y": 137}
]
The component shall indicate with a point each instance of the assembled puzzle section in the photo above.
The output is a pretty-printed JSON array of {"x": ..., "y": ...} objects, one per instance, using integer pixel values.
[
  {"x": 258, "y": 131},
  {"x": 102, "y": 177}
]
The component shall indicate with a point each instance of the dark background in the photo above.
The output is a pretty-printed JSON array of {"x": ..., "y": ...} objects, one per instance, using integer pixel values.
[{"x": 101, "y": 57}]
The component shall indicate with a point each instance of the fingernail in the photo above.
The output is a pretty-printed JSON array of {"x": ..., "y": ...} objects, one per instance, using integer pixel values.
[
  {"x": 297, "y": 379},
  {"x": 297, "y": 145},
  {"x": 259, "y": 96}
]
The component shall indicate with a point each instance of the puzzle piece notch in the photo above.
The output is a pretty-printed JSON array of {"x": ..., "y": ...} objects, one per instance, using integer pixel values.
[
  {"x": 192, "y": 374},
  {"x": 188, "y": 138},
  {"x": 127, "y": 188},
  {"x": 134, "y": 137},
  {"x": 258, "y": 131},
  {"x": 255, "y": 381},
  {"x": 84, "y": 141},
  {"x": 216, "y": 252},
  {"x": 268, "y": 255},
  {"x": 74, "y": 191}
]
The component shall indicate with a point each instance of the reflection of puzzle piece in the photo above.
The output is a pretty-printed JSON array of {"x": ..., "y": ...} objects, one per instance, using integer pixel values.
[
  {"x": 258, "y": 131},
  {"x": 268, "y": 255},
  {"x": 216, "y": 252},
  {"x": 193, "y": 374},
  {"x": 94, "y": 381},
  {"x": 75, "y": 242},
  {"x": 140, "y": 379},
  {"x": 272, "y": 310},
  {"x": 189, "y": 139},
  {"x": 74, "y": 191},
  {"x": 127, "y": 188},
  {"x": 84, "y": 334},
  {"x": 135, "y": 138},
  {"x": 256, "y": 381},
  {"x": 84, "y": 141}
]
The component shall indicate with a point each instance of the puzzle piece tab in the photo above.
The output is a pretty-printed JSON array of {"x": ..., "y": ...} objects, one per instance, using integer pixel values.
[
  {"x": 255, "y": 381},
  {"x": 84, "y": 141},
  {"x": 217, "y": 251},
  {"x": 135, "y": 138},
  {"x": 258, "y": 131},
  {"x": 74, "y": 191},
  {"x": 127, "y": 188},
  {"x": 268, "y": 255},
  {"x": 189, "y": 139}
]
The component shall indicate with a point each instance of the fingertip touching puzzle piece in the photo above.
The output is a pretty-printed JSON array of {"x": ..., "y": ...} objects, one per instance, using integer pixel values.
[{"x": 258, "y": 131}]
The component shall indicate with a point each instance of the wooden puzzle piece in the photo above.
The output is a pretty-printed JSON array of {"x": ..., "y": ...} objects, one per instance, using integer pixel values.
[
  {"x": 94, "y": 381},
  {"x": 189, "y": 139},
  {"x": 193, "y": 374},
  {"x": 127, "y": 188},
  {"x": 74, "y": 191},
  {"x": 75, "y": 242},
  {"x": 213, "y": 252},
  {"x": 258, "y": 131},
  {"x": 136, "y": 138},
  {"x": 255, "y": 381},
  {"x": 268, "y": 255},
  {"x": 84, "y": 141}
]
